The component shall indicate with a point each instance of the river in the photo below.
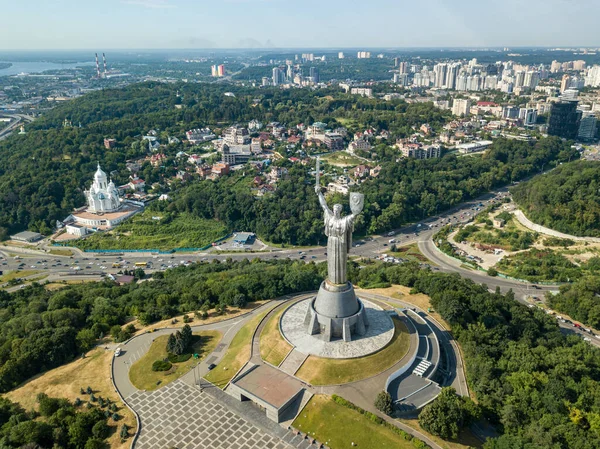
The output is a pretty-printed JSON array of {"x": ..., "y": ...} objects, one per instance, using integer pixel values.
[{"x": 38, "y": 67}]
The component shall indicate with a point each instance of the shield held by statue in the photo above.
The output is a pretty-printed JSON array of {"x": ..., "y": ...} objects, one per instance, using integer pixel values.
[{"x": 357, "y": 202}]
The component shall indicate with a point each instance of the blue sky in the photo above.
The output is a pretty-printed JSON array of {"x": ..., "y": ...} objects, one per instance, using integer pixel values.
[{"x": 112, "y": 24}]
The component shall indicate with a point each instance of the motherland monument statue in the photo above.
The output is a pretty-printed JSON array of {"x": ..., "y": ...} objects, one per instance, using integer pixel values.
[{"x": 336, "y": 312}]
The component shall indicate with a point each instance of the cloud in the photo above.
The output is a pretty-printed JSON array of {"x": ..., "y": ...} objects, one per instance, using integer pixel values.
[{"x": 152, "y": 4}]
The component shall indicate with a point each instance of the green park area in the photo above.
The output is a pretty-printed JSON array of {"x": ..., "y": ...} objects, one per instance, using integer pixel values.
[
  {"x": 157, "y": 230},
  {"x": 410, "y": 252},
  {"x": 322, "y": 371},
  {"x": 547, "y": 265},
  {"x": 237, "y": 354},
  {"x": 512, "y": 236},
  {"x": 143, "y": 376},
  {"x": 13, "y": 275},
  {"x": 342, "y": 158},
  {"x": 346, "y": 426},
  {"x": 273, "y": 347}
]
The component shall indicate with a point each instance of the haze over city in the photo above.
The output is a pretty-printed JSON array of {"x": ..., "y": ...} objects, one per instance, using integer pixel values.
[
  {"x": 118, "y": 24},
  {"x": 252, "y": 224}
]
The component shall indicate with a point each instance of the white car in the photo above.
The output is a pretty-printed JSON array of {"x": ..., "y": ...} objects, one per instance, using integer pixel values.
[{"x": 117, "y": 352}]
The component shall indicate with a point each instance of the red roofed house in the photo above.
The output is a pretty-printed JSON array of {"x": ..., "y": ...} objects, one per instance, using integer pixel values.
[{"x": 136, "y": 184}]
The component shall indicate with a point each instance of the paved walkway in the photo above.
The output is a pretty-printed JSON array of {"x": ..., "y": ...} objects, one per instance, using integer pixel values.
[
  {"x": 180, "y": 416},
  {"x": 544, "y": 230},
  {"x": 293, "y": 362}
]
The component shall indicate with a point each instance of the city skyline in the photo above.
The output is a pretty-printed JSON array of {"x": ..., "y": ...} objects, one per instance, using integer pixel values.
[{"x": 169, "y": 24}]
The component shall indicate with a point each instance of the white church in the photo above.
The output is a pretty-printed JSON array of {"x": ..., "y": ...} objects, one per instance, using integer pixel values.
[
  {"x": 104, "y": 208},
  {"x": 102, "y": 196}
]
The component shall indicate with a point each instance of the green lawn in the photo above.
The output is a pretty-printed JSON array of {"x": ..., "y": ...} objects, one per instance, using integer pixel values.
[
  {"x": 18, "y": 274},
  {"x": 171, "y": 231},
  {"x": 410, "y": 252},
  {"x": 512, "y": 237},
  {"x": 273, "y": 347},
  {"x": 342, "y": 158},
  {"x": 545, "y": 266},
  {"x": 61, "y": 252},
  {"x": 321, "y": 371},
  {"x": 141, "y": 374},
  {"x": 338, "y": 427},
  {"x": 237, "y": 354}
]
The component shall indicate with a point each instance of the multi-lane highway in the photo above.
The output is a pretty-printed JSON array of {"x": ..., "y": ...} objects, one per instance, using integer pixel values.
[
  {"x": 19, "y": 119},
  {"x": 84, "y": 266}
]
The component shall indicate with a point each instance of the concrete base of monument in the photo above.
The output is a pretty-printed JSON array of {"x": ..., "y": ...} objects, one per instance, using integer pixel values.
[
  {"x": 377, "y": 334},
  {"x": 336, "y": 312}
]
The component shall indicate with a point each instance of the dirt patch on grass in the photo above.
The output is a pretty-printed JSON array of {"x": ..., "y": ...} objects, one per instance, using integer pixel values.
[{"x": 66, "y": 382}]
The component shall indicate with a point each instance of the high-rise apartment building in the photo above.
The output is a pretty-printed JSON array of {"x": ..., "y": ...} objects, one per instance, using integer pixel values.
[
  {"x": 555, "y": 67},
  {"x": 461, "y": 82},
  {"x": 565, "y": 83},
  {"x": 564, "y": 119},
  {"x": 519, "y": 78},
  {"x": 593, "y": 76},
  {"x": 587, "y": 127},
  {"x": 278, "y": 76},
  {"x": 363, "y": 55},
  {"x": 528, "y": 116},
  {"x": 314, "y": 75},
  {"x": 440, "y": 71},
  {"x": 532, "y": 79},
  {"x": 451, "y": 76},
  {"x": 461, "y": 107}
]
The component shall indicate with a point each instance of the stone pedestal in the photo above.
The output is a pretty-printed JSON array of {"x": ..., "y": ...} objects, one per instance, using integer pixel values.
[{"x": 335, "y": 313}]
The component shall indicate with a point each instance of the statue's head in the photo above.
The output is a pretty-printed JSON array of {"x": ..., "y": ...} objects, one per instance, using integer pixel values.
[{"x": 337, "y": 210}]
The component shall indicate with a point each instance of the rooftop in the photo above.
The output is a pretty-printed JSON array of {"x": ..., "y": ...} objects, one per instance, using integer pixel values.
[
  {"x": 269, "y": 384},
  {"x": 26, "y": 235}
]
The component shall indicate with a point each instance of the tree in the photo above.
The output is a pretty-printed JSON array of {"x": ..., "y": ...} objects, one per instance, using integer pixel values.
[
  {"x": 101, "y": 430},
  {"x": 95, "y": 443},
  {"x": 383, "y": 403},
  {"x": 448, "y": 414},
  {"x": 86, "y": 340},
  {"x": 171, "y": 344},
  {"x": 186, "y": 335}
]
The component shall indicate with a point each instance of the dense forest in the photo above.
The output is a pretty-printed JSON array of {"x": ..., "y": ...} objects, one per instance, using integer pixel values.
[
  {"x": 538, "y": 386},
  {"x": 59, "y": 424},
  {"x": 41, "y": 329},
  {"x": 580, "y": 300},
  {"x": 567, "y": 199}
]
